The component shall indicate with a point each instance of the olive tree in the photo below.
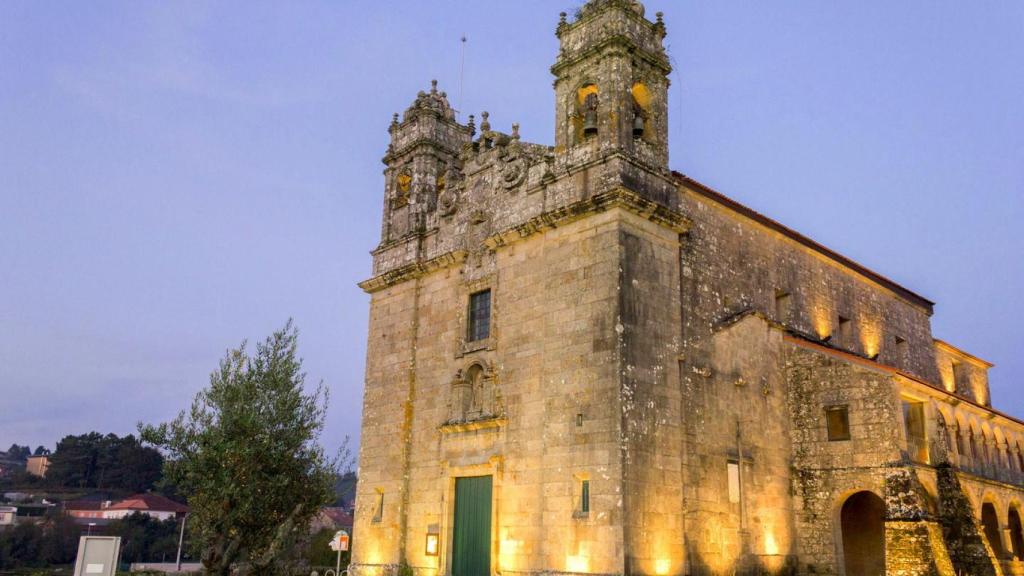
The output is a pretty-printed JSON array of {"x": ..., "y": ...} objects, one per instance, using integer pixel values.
[{"x": 247, "y": 456}]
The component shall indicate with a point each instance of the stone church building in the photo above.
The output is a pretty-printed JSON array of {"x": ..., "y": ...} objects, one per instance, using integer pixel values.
[{"x": 582, "y": 362}]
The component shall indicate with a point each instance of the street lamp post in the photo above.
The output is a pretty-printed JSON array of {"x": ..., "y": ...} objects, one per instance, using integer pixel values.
[{"x": 181, "y": 540}]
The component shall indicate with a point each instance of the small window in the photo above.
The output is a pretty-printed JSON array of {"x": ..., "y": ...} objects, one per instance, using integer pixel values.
[
  {"x": 479, "y": 316},
  {"x": 733, "y": 471},
  {"x": 901, "y": 350},
  {"x": 837, "y": 419},
  {"x": 783, "y": 305},
  {"x": 378, "y": 514},
  {"x": 845, "y": 331},
  {"x": 581, "y": 494},
  {"x": 959, "y": 376}
]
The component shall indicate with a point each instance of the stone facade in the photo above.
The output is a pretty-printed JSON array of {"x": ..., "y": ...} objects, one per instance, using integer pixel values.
[{"x": 665, "y": 382}]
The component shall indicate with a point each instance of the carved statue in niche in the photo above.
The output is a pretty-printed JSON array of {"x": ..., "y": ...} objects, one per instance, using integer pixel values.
[{"x": 473, "y": 396}]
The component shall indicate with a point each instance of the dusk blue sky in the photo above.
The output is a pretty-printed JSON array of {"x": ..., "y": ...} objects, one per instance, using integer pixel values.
[{"x": 176, "y": 177}]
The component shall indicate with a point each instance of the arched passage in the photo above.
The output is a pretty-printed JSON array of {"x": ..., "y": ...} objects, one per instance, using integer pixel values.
[
  {"x": 1016, "y": 533},
  {"x": 990, "y": 522},
  {"x": 862, "y": 521}
]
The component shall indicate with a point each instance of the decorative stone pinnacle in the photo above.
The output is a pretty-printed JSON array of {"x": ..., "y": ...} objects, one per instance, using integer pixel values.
[
  {"x": 433, "y": 86},
  {"x": 485, "y": 124},
  {"x": 472, "y": 125},
  {"x": 515, "y": 131}
]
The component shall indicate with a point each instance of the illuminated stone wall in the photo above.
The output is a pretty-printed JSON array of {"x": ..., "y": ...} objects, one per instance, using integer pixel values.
[{"x": 673, "y": 350}]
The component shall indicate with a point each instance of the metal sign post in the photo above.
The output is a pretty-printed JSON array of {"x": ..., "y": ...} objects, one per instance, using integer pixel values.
[
  {"x": 97, "y": 556},
  {"x": 339, "y": 544}
]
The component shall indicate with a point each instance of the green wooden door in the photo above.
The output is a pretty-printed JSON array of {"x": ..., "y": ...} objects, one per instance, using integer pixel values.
[{"x": 471, "y": 554}]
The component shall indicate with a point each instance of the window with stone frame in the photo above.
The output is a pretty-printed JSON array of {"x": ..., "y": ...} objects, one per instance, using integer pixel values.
[
  {"x": 479, "y": 325},
  {"x": 783, "y": 306},
  {"x": 581, "y": 496},
  {"x": 837, "y": 421}
]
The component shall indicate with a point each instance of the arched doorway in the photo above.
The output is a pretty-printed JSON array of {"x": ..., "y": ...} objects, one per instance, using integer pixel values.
[
  {"x": 862, "y": 521},
  {"x": 1016, "y": 533},
  {"x": 990, "y": 522}
]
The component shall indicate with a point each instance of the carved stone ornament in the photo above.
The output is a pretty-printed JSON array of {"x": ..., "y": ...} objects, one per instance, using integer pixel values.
[
  {"x": 448, "y": 202},
  {"x": 513, "y": 168}
]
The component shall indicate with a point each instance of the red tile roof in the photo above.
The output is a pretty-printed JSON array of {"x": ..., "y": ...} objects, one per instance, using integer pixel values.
[{"x": 152, "y": 502}]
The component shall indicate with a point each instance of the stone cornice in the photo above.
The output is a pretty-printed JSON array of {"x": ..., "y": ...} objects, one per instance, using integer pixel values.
[
  {"x": 658, "y": 61},
  {"x": 615, "y": 198},
  {"x": 473, "y": 426},
  {"x": 412, "y": 271}
]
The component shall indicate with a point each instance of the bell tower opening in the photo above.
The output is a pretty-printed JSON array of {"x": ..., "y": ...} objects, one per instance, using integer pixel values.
[{"x": 611, "y": 84}]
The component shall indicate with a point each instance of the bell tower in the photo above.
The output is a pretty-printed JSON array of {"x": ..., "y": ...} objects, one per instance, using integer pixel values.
[
  {"x": 422, "y": 160},
  {"x": 611, "y": 84}
]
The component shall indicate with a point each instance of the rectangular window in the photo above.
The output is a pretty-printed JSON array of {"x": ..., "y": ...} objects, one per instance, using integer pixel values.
[
  {"x": 783, "y": 304},
  {"x": 913, "y": 421},
  {"x": 901, "y": 350},
  {"x": 581, "y": 496},
  {"x": 733, "y": 470},
  {"x": 845, "y": 332},
  {"x": 378, "y": 513},
  {"x": 479, "y": 316},
  {"x": 958, "y": 377},
  {"x": 837, "y": 419}
]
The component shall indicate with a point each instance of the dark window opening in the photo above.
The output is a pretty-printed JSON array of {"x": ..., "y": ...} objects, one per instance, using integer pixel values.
[
  {"x": 479, "y": 316},
  {"x": 837, "y": 419},
  {"x": 845, "y": 332},
  {"x": 585, "y": 497},
  {"x": 783, "y": 306}
]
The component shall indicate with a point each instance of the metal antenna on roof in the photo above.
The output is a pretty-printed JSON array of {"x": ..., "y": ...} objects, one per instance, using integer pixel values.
[{"x": 462, "y": 72}]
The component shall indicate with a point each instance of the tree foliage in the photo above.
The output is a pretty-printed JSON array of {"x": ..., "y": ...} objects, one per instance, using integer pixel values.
[
  {"x": 29, "y": 544},
  {"x": 247, "y": 456},
  {"x": 105, "y": 463},
  {"x": 19, "y": 453},
  {"x": 146, "y": 539}
]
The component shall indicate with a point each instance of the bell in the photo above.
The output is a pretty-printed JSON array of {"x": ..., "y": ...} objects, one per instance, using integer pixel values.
[
  {"x": 590, "y": 123},
  {"x": 638, "y": 126}
]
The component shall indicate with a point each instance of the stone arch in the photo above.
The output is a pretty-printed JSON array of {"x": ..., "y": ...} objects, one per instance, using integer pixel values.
[
  {"x": 1013, "y": 522},
  {"x": 991, "y": 527},
  {"x": 861, "y": 542},
  {"x": 960, "y": 431},
  {"x": 642, "y": 111},
  {"x": 585, "y": 115}
]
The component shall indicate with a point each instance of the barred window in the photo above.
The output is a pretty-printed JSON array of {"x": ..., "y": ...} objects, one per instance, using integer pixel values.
[{"x": 479, "y": 316}]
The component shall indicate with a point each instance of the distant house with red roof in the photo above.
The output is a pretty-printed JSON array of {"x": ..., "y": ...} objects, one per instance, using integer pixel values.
[
  {"x": 88, "y": 509},
  {"x": 153, "y": 505},
  {"x": 333, "y": 518}
]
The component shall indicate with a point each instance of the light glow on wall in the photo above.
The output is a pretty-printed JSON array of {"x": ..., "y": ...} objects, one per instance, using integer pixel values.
[
  {"x": 771, "y": 545},
  {"x": 578, "y": 563},
  {"x": 662, "y": 566}
]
